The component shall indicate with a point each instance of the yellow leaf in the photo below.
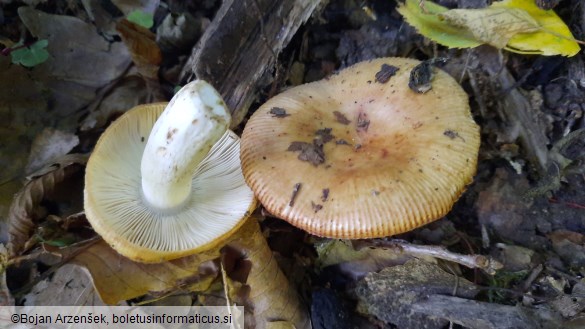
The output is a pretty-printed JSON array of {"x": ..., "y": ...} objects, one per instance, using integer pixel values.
[
  {"x": 553, "y": 38},
  {"x": 515, "y": 25},
  {"x": 431, "y": 26},
  {"x": 494, "y": 26}
]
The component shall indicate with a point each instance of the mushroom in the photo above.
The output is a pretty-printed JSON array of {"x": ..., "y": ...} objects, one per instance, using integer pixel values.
[
  {"x": 162, "y": 185},
  {"x": 361, "y": 155},
  {"x": 162, "y": 188}
]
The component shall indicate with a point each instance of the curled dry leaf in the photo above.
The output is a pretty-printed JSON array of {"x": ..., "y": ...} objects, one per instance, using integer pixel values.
[
  {"x": 142, "y": 45},
  {"x": 5, "y": 296},
  {"x": 117, "y": 278},
  {"x": 268, "y": 293},
  {"x": 21, "y": 215}
]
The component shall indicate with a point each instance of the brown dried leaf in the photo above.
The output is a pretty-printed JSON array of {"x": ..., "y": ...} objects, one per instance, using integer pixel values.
[
  {"x": 266, "y": 289},
  {"x": 560, "y": 235},
  {"x": 246, "y": 257},
  {"x": 22, "y": 217},
  {"x": 117, "y": 278},
  {"x": 5, "y": 296},
  {"x": 143, "y": 48}
]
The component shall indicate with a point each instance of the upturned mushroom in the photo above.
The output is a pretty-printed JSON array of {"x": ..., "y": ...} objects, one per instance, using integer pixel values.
[
  {"x": 360, "y": 154},
  {"x": 162, "y": 188},
  {"x": 160, "y": 185}
]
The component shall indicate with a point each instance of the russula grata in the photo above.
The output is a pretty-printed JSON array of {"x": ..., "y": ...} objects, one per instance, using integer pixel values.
[
  {"x": 162, "y": 185},
  {"x": 361, "y": 155}
]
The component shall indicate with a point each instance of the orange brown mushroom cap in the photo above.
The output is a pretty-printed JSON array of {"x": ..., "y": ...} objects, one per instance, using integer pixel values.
[{"x": 360, "y": 155}]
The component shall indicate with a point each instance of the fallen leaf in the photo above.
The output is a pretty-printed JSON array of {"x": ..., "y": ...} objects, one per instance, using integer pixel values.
[
  {"x": 128, "y": 6},
  {"x": 553, "y": 38},
  {"x": 23, "y": 108},
  {"x": 48, "y": 145},
  {"x": 431, "y": 26},
  {"x": 515, "y": 25},
  {"x": 5, "y": 296},
  {"x": 32, "y": 55},
  {"x": 76, "y": 48},
  {"x": 70, "y": 285},
  {"x": 143, "y": 48},
  {"x": 22, "y": 216},
  {"x": 126, "y": 94},
  {"x": 144, "y": 19},
  {"x": 117, "y": 278},
  {"x": 494, "y": 26},
  {"x": 268, "y": 292}
]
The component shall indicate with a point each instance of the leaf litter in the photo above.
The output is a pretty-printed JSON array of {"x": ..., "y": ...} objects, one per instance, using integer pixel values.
[{"x": 541, "y": 259}]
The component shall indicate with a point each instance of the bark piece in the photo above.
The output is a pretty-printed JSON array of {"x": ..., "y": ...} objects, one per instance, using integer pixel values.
[
  {"x": 242, "y": 43},
  {"x": 482, "y": 315},
  {"x": 390, "y": 294}
]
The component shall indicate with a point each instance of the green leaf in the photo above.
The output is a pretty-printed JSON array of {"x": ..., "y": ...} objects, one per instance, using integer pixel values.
[
  {"x": 32, "y": 55},
  {"x": 429, "y": 24},
  {"x": 141, "y": 18}
]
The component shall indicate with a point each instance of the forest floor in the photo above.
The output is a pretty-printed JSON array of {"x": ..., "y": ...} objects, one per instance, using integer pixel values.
[{"x": 525, "y": 207}]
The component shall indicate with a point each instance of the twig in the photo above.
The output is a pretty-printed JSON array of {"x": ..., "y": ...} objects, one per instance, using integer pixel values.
[
  {"x": 533, "y": 275},
  {"x": 485, "y": 263}
]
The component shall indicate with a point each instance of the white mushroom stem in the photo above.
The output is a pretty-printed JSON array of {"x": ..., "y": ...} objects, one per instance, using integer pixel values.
[{"x": 193, "y": 121}]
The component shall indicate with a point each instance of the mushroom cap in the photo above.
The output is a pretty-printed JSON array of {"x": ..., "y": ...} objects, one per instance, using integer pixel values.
[
  {"x": 393, "y": 160},
  {"x": 218, "y": 205}
]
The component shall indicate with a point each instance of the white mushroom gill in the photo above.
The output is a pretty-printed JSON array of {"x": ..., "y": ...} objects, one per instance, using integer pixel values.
[
  {"x": 181, "y": 192},
  {"x": 194, "y": 120}
]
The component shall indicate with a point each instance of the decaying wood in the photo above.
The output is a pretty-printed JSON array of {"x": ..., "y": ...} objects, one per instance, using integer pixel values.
[
  {"x": 390, "y": 294},
  {"x": 516, "y": 109},
  {"x": 241, "y": 45},
  {"x": 481, "y": 315}
]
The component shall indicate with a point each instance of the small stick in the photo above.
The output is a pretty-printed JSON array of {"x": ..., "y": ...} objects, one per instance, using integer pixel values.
[{"x": 488, "y": 264}]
